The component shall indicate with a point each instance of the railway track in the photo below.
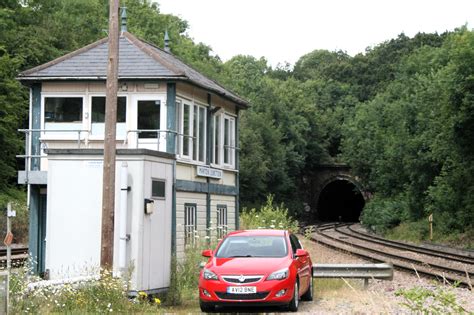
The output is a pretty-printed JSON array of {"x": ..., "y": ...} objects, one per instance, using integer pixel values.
[
  {"x": 444, "y": 265},
  {"x": 19, "y": 256}
]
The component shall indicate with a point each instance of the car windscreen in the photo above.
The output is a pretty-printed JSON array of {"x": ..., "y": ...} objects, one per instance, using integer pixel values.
[{"x": 252, "y": 246}]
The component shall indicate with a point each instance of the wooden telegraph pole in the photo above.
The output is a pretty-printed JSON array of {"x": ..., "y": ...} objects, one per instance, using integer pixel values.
[{"x": 108, "y": 185}]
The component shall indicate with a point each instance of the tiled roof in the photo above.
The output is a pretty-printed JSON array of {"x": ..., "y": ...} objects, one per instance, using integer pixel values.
[{"x": 137, "y": 60}]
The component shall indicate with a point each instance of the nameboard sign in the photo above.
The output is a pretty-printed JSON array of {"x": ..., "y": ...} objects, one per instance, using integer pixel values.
[{"x": 208, "y": 172}]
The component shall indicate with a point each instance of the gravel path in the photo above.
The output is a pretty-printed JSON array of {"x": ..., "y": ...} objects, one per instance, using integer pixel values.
[{"x": 335, "y": 296}]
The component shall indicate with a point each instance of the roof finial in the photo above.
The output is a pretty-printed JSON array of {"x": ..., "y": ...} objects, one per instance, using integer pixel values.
[
  {"x": 167, "y": 42},
  {"x": 124, "y": 19}
]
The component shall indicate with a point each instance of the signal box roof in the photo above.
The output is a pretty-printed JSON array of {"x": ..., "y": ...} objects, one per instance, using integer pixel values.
[{"x": 138, "y": 59}]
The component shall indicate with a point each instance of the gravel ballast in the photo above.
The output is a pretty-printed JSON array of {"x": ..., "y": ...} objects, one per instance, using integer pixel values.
[{"x": 336, "y": 296}]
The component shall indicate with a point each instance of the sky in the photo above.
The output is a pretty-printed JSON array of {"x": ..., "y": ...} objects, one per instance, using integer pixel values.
[{"x": 283, "y": 31}]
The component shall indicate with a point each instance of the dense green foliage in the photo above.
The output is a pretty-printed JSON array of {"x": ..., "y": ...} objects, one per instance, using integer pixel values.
[
  {"x": 401, "y": 114},
  {"x": 412, "y": 143}
]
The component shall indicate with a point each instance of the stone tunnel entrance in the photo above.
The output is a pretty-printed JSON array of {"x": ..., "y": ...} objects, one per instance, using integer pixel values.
[{"x": 340, "y": 200}]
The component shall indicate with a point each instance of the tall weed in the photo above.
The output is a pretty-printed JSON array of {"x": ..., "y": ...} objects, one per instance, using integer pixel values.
[
  {"x": 421, "y": 300},
  {"x": 269, "y": 216},
  {"x": 96, "y": 296}
]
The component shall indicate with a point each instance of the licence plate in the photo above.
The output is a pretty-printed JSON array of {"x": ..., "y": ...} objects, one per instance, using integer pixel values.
[{"x": 241, "y": 290}]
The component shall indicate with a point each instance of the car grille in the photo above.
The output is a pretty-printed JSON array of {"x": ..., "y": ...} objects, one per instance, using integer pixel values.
[
  {"x": 252, "y": 296},
  {"x": 242, "y": 279}
]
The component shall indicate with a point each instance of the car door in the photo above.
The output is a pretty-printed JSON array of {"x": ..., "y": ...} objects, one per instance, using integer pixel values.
[{"x": 302, "y": 263}]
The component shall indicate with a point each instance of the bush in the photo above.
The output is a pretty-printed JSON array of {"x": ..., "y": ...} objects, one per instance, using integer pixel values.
[
  {"x": 381, "y": 214},
  {"x": 269, "y": 216}
]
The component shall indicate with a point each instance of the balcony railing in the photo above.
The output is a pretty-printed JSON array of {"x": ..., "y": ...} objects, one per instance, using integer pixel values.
[
  {"x": 36, "y": 140},
  {"x": 159, "y": 138},
  {"x": 33, "y": 157}
]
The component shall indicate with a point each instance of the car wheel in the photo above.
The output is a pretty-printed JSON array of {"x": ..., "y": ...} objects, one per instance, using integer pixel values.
[
  {"x": 293, "y": 306},
  {"x": 207, "y": 307},
  {"x": 308, "y": 295}
]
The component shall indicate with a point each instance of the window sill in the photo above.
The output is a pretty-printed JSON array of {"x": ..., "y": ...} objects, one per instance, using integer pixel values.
[
  {"x": 228, "y": 168},
  {"x": 101, "y": 138},
  {"x": 189, "y": 161}
]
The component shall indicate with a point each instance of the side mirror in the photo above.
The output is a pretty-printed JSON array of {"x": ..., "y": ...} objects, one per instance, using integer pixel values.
[
  {"x": 206, "y": 253},
  {"x": 301, "y": 253}
]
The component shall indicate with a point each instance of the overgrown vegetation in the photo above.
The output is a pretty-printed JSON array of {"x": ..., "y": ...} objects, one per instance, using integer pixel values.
[
  {"x": 107, "y": 295},
  {"x": 440, "y": 300},
  {"x": 269, "y": 216},
  {"x": 418, "y": 231}
]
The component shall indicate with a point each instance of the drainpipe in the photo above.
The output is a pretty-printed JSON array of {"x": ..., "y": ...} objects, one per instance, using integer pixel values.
[
  {"x": 123, "y": 217},
  {"x": 237, "y": 167},
  {"x": 208, "y": 163}
]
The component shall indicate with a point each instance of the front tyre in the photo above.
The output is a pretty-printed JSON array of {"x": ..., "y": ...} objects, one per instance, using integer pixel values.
[
  {"x": 308, "y": 295},
  {"x": 293, "y": 306},
  {"x": 207, "y": 307}
]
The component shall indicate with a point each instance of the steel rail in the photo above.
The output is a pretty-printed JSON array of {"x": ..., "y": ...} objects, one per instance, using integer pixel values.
[
  {"x": 454, "y": 275},
  {"x": 412, "y": 248},
  {"x": 468, "y": 257},
  {"x": 15, "y": 251},
  {"x": 19, "y": 256},
  {"x": 395, "y": 256}
]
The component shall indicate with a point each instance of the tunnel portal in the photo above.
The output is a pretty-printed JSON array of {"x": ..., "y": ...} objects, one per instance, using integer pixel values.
[{"x": 340, "y": 200}]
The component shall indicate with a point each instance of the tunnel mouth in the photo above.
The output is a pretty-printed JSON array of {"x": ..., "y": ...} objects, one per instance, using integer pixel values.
[{"x": 340, "y": 201}]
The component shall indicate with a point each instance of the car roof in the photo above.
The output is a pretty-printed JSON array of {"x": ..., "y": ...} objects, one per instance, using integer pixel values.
[{"x": 260, "y": 232}]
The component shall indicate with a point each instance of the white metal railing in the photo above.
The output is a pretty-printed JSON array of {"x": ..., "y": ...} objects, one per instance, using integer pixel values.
[
  {"x": 83, "y": 137},
  {"x": 29, "y": 132},
  {"x": 28, "y": 142},
  {"x": 158, "y": 133}
]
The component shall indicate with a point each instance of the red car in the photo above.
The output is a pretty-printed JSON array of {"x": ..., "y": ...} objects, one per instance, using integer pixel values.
[{"x": 256, "y": 267}]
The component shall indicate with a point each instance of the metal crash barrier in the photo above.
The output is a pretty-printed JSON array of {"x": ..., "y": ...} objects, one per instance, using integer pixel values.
[{"x": 359, "y": 271}]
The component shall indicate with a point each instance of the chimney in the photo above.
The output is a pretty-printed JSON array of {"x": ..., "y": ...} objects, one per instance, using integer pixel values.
[
  {"x": 167, "y": 42},
  {"x": 124, "y": 19}
]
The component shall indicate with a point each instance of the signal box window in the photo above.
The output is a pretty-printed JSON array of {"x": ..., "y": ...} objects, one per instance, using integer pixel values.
[
  {"x": 98, "y": 115},
  {"x": 63, "y": 113},
  {"x": 158, "y": 189}
]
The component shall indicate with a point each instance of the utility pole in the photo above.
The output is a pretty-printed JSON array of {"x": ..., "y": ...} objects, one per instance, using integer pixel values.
[{"x": 108, "y": 184}]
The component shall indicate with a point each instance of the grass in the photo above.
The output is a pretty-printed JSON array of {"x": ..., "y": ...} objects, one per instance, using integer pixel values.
[
  {"x": 417, "y": 232},
  {"x": 107, "y": 295}
]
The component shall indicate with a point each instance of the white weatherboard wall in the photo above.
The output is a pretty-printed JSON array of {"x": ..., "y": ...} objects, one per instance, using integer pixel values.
[
  {"x": 229, "y": 201},
  {"x": 199, "y": 200},
  {"x": 74, "y": 213}
]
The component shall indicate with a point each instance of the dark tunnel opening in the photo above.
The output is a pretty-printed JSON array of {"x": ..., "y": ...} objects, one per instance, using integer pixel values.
[{"x": 340, "y": 200}]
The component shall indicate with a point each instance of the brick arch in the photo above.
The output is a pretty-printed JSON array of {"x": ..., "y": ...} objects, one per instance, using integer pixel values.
[{"x": 327, "y": 174}]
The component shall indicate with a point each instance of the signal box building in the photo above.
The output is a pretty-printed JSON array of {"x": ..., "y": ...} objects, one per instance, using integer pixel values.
[{"x": 177, "y": 170}]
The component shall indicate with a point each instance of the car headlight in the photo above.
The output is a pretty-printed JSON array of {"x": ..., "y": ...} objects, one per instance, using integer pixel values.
[
  {"x": 279, "y": 275},
  {"x": 209, "y": 275}
]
